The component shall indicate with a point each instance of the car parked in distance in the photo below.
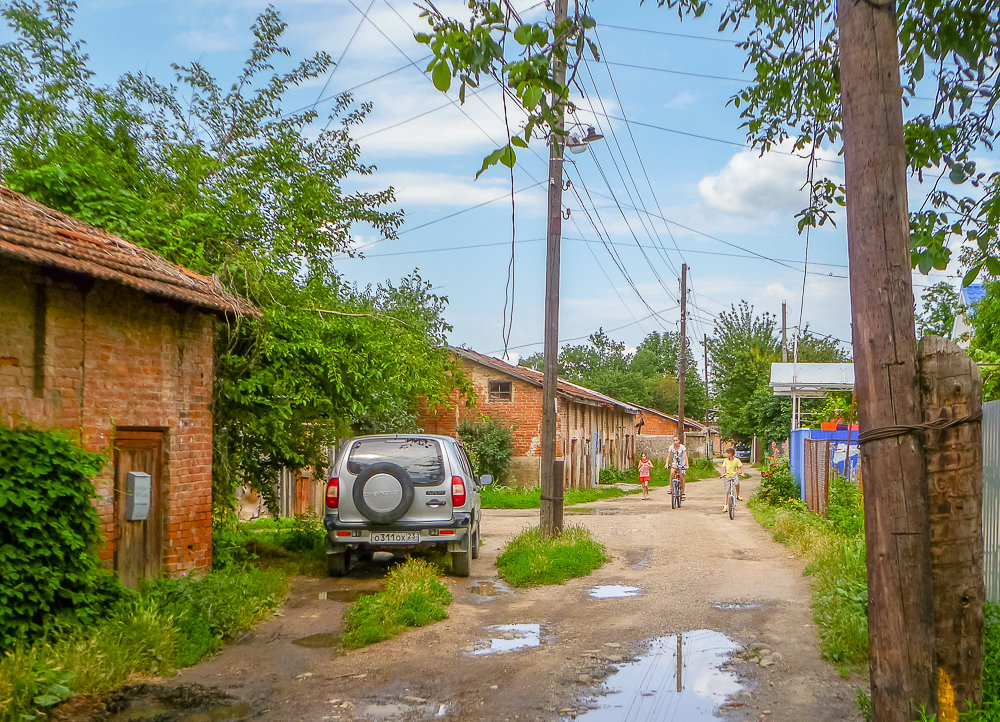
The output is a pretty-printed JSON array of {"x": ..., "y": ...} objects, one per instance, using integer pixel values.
[
  {"x": 404, "y": 494},
  {"x": 743, "y": 453}
]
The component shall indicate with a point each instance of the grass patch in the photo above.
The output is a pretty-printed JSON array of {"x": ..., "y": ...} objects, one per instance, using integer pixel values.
[
  {"x": 840, "y": 591},
  {"x": 530, "y": 559},
  {"x": 414, "y": 596},
  {"x": 172, "y": 623},
  {"x": 295, "y": 546},
  {"x": 512, "y": 497}
]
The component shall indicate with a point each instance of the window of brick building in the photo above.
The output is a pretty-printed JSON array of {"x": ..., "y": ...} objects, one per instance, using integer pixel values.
[{"x": 500, "y": 390}]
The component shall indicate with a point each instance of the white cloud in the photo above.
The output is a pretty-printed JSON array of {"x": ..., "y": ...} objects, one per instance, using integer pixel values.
[
  {"x": 682, "y": 100},
  {"x": 762, "y": 187}
]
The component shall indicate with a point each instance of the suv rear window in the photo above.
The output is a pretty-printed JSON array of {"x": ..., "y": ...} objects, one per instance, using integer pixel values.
[{"x": 420, "y": 457}]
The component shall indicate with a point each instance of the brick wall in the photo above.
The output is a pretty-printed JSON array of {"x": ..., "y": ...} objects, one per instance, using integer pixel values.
[
  {"x": 115, "y": 358},
  {"x": 658, "y": 426}
]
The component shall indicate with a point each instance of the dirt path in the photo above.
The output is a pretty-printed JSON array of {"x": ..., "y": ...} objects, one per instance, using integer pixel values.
[{"x": 696, "y": 571}]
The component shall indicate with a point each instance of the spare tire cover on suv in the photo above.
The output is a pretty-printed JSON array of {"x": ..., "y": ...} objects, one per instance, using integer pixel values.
[{"x": 383, "y": 492}]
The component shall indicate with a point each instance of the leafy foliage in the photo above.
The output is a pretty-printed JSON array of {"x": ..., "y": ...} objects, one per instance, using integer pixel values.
[
  {"x": 490, "y": 446},
  {"x": 742, "y": 350},
  {"x": 648, "y": 377},
  {"x": 938, "y": 310},
  {"x": 173, "y": 623},
  {"x": 777, "y": 485},
  {"x": 49, "y": 530},
  {"x": 984, "y": 347},
  {"x": 845, "y": 509},
  {"x": 216, "y": 176}
]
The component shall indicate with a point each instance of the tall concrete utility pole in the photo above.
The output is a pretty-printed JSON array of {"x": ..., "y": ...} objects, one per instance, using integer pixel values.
[
  {"x": 550, "y": 508},
  {"x": 682, "y": 353},
  {"x": 900, "y": 608},
  {"x": 784, "y": 332}
]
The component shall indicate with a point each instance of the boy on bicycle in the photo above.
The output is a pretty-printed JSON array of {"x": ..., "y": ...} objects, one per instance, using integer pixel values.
[
  {"x": 731, "y": 467},
  {"x": 677, "y": 460}
]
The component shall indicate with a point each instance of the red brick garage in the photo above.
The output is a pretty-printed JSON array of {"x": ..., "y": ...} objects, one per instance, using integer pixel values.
[{"x": 112, "y": 343}]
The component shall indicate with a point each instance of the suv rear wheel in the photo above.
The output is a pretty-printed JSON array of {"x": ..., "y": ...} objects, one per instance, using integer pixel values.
[
  {"x": 337, "y": 563},
  {"x": 461, "y": 561}
]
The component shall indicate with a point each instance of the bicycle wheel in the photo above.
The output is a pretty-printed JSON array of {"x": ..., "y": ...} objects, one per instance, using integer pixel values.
[
  {"x": 673, "y": 495},
  {"x": 732, "y": 505},
  {"x": 680, "y": 497}
]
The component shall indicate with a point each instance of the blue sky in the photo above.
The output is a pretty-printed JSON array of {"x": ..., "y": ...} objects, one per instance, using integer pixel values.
[{"x": 702, "y": 197}]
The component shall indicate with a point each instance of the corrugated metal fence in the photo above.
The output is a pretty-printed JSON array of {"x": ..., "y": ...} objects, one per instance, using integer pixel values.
[{"x": 991, "y": 499}]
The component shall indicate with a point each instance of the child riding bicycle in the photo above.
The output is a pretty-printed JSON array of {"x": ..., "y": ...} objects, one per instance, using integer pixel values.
[
  {"x": 732, "y": 468},
  {"x": 677, "y": 461}
]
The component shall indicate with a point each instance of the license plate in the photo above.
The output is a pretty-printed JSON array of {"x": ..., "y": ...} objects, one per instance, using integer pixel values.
[{"x": 395, "y": 537}]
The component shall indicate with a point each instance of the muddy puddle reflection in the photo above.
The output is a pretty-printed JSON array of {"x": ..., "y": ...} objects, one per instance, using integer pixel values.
[
  {"x": 736, "y": 606},
  {"x": 511, "y": 638},
  {"x": 656, "y": 687},
  {"x": 324, "y": 640},
  {"x": 485, "y": 590},
  {"x": 185, "y": 703},
  {"x": 401, "y": 710},
  {"x": 614, "y": 591}
]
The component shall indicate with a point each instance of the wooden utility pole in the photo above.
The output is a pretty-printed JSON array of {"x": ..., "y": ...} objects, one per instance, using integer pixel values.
[
  {"x": 708, "y": 432},
  {"x": 549, "y": 519},
  {"x": 682, "y": 353},
  {"x": 784, "y": 332},
  {"x": 951, "y": 389},
  {"x": 900, "y": 611}
]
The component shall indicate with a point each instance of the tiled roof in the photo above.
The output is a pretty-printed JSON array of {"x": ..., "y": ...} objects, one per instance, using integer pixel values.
[
  {"x": 39, "y": 235},
  {"x": 688, "y": 421},
  {"x": 565, "y": 388}
]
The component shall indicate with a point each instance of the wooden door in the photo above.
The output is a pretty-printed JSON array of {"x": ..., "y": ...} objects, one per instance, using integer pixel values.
[{"x": 138, "y": 544}]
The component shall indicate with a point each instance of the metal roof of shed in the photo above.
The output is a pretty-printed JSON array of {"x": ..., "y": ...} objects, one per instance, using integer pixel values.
[{"x": 810, "y": 379}]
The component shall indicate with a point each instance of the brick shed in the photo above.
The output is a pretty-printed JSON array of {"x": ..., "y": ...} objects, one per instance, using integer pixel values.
[
  {"x": 593, "y": 431},
  {"x": 656, "y": 430},
  {"x": 114, "y": 344}
]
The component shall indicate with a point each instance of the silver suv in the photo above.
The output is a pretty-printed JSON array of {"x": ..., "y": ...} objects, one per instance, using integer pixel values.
[{"x": 402, "y": 494}]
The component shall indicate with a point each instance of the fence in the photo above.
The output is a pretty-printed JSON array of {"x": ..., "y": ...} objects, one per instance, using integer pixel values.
[
  {"x": 991, "y": 499},
  {"x": 816, "y": 475}
]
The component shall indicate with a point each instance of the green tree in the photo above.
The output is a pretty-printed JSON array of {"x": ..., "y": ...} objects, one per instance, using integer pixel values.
[
  {"x": 217, "y": 177},
  {"x": 984, "y": 347},
  {"x": 938, "y": 309}
]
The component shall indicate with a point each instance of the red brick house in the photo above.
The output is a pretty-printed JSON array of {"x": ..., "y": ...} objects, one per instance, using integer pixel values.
[
  {"x": 593, "y": 431},
  {"x": 114, "y": 344},
  {"x": 652, "y": 423}
]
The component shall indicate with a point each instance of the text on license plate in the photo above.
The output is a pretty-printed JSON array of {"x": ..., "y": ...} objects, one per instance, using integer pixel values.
[{"x": 395, "y": 537}]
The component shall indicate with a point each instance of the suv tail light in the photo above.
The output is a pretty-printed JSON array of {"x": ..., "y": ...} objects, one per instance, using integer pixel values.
[
  {"x": 457, "y": 491},
  {"x": 332, "y": 493}
]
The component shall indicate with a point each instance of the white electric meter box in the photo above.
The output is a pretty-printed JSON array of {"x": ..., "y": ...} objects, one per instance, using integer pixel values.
[{"x": 137, "y": 493}]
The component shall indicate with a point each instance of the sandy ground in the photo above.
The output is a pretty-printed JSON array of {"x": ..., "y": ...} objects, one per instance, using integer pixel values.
[{"x": 695, "y": 569}]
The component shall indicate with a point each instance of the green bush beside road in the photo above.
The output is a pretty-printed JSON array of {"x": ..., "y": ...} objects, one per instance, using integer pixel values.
[{"x": 530, "y": 559}]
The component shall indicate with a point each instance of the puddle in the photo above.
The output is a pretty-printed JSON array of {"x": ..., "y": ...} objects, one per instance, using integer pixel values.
[
  {"x": 639, "y": 558},
  {"x": 614, "y": 591},
  {"x": 488, "y": 589},
  {"x": 186, "y": 703},
  {"x": 656, "y": 687},
  {"x": 587, "y": 511},
  {"x": 735, "y": 606},
  {"x": 400, "y": 710},
  {"x": 324, "y": 640},
  {"x": 511, "y": 638},
  {"x": 344, "y": 595}
]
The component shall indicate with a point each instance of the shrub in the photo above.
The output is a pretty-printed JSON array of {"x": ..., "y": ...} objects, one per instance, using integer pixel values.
[
  {"x": 511, "y": 497},
  {"x": 414, "y": 596},
  {"x": 490, "y": 446},
  {"x": 777, "y": 485},
  {"x": 49, "y": 531},
  {"x": 529, "y": 559}
]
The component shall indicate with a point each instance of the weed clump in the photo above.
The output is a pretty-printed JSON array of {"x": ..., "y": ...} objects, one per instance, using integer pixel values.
[
  {"x": 414, "y": 596},
  {"x": 513, "y": 497},
  {"x": 531, "y": 559}
]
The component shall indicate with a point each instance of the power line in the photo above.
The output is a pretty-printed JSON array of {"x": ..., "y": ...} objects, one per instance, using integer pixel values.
[
  {"x": 676, "y": 72},
  {"x": 336, "y": 65},
  {"x": 673, "y": 35}
]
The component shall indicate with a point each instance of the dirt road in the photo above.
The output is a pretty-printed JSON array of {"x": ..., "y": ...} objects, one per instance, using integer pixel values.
[{"x": 737, "y": 599}]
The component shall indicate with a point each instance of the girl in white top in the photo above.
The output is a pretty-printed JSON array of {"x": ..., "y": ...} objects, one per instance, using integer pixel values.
[{"x": 677, "y": 458}]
